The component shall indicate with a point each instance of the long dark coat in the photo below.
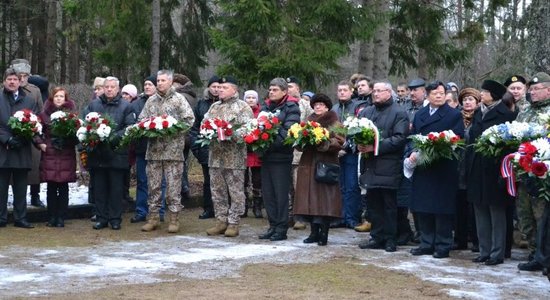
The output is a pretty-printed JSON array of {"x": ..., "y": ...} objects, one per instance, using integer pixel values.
[
  {"x": 434, "y": 188},
  {"x": 14, "y": 158},
  {"x": 312, "y": 198},
  {"x": 57, "y": 165},
  {"x": 484, "y": 183}
]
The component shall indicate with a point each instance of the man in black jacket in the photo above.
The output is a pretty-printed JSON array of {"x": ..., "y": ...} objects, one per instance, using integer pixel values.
[
  {"x": 277, "y": 161},
  {"x": 201, "y": 152},
  {"x": 383, "y": 172},
  {"x": 15, "y": 151},
  {"x": 108, "y": 163}
]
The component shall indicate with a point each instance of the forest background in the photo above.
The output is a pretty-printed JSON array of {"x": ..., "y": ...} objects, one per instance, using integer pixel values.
[{"x": 320, "y": 41}]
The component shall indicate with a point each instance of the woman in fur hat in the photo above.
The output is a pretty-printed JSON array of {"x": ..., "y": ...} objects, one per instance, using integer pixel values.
[{"x": 317, "y": 202}]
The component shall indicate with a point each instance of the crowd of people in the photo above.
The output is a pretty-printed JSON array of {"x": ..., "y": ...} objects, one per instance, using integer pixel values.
[{"x": 454, "y": 204}]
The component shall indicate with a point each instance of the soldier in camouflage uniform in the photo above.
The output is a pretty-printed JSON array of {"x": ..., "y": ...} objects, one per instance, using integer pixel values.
[
  {"x": 164, "y": 155},
  {"x": 227, "y": 161},
  {"x": 530, "y": 208},
  {"x": 516, "y": 86}
]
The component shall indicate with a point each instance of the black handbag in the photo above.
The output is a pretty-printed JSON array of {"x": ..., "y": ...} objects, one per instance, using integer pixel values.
[{"x": 328, "y": 173}]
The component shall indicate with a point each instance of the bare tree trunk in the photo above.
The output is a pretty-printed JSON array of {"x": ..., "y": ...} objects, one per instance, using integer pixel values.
[
  {"x": 365, "y": 63},
  {"x": 381, "y": 42},
  {"x": 22, "y": 17},
  {"x": 538, "y": 48},
  {"x": 155, "y": 42},
  {"x": 51, "y": 47}
]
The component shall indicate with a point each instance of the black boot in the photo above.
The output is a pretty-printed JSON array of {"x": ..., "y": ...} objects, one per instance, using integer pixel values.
[
  {"x": 35, "y": 196},
  {"x": 258, "y": 207},
  {"x": 314, "y": 235},
  {"x": 323, "y": 234}
]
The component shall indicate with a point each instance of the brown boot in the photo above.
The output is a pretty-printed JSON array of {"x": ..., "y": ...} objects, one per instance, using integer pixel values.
[
  {"x": 364, "y": 227},
  {"x": 218, "y": 229},
  {"x": 174, "y": 225},
  {"x": 153, "y": 222},
  {"x": 232, "y": 230}
]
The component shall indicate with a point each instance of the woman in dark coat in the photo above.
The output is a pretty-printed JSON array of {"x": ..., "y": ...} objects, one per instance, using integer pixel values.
[
  {"x": 58, "y": 162},
  {"x": 485, "y": 187},
  {"x": 317, "y": 202},
  {"x": 434, "y": 187}
]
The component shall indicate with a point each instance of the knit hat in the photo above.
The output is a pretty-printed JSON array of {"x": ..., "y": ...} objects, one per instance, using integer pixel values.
[
  {"x": 469, "y": 92},
  {"x": 309, "y": 94},
  {"x": 251, "y": 93},
  {"x": 321, "y": 98},
  {"x": 130, "y": 89},
  {"x": 451, "y": 84},
  {"x": 21, "y": 66},
  {"x": 152, "y": 78},
  {"x": 213, "y": 79},
  {"x": 99, "y": 81},
  {"x": 496, "y": 89}
]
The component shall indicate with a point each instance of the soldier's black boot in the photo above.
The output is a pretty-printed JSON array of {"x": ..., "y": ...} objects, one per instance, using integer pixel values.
[
  {"x": 323, "y": 234},
  {"x": 35, "y": 196}
]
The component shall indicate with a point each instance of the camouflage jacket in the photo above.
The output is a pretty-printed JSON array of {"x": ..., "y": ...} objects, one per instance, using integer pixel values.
[
  {"x": 175, "y": 105},
  {"x": 305, "y": 109},
  {"x": 229, "y": 154},
  {"x": 530, "y": 114}
]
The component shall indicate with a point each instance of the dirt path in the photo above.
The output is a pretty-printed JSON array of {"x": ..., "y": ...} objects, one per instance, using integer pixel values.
[{"x": 79, "y": 262}]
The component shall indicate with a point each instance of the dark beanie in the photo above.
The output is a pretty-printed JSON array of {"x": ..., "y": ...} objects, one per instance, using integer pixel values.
[
  {"x": 213, "y": 79},
  {"x": 152, "y": 78}
]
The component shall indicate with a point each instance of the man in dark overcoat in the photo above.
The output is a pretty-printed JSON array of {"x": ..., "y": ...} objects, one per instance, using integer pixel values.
[
  {"x": 434, "y": 187},
  {"x": 15, "y": 151}
]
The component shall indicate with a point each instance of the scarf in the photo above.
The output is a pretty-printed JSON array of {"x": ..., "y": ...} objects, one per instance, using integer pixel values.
[
  {"x": 467, "y": 117},
  {"x": 487, "y": 108}
]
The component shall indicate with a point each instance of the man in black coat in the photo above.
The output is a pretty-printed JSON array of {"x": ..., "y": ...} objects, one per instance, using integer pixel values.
[
  {"x": 434, "y": 187},
  {"x": 201, "y": 152},
  {"x": 15, "y": 151},
  {"x": 383, "y": 172},
  {"x": 277, "y": 161},
  {"x": 108, "y": 163}
]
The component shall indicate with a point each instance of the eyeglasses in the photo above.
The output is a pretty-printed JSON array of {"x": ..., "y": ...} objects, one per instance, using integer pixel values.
[
  {"x": 537, "y": 88},
  {"x": 380, "y": 91}
]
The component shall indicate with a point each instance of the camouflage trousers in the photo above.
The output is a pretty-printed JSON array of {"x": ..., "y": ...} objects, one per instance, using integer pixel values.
[
  {"x": 530, "y": 211},
  {"x": 227, "y": 184},
  {"x": 172, "y": 172}
]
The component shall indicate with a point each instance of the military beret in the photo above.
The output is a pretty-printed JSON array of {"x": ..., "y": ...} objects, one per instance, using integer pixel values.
[
  {"x": 514, "y": 78},
  {"x": 417, "y": 83},
  {"x": 496, "y": 89},
  {"x": 228, "y": 79},
  {"x": 540, "y": 77},
  {"x": 213, "y": 79},
  {"x": 293, "y": 79}
]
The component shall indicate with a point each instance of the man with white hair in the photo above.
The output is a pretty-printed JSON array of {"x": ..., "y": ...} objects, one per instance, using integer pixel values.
[{"x": 107, "y": 162}]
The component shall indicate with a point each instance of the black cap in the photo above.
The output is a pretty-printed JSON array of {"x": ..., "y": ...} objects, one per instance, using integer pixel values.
[
  {"x": 228, "y": 79},
  {"x": 417, "y": 83},
  {"x": 293, "y": 79},
  {"x": 514, "y": 78},
  {"x": 213, "y": 79},
  {"x": 152, "y": 78},
  {"x": 321, "y": 98},
  {"x": 496, "y": 89}
]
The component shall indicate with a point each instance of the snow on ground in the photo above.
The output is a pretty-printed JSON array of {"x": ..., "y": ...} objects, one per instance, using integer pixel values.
[
  {"x": 58, "y": 270},
  {"x": 78, "y": 194}
]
